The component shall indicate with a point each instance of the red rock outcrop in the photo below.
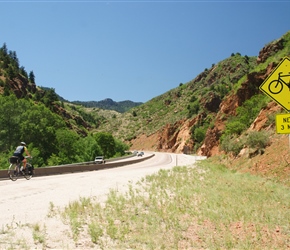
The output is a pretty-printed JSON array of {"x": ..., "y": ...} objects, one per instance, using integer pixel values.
[{"x": 177, "y": 137}]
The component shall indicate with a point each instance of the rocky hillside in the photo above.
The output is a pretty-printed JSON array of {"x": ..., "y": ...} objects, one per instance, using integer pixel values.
[
  {"x": 16, "y": 82},
  {"x": 177, "y": 136},
  {"x": 274, "y": 160}
]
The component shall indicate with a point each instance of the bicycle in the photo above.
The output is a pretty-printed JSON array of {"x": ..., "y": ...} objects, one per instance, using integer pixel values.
[
  {"x": 16, "y": 169},
  {"x": 276, "y": 86}
]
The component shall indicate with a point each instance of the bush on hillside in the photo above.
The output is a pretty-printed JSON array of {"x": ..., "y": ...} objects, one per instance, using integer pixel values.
[
  {"x": 231, "y": 144},
  {"x": 257, "y": 139},
  {"x": 254, "y": 140}
]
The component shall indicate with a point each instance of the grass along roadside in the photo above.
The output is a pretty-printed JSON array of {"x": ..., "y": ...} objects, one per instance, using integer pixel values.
[
  {"x": 207, "y": 206},
  {"x": 202, "y": 207}
]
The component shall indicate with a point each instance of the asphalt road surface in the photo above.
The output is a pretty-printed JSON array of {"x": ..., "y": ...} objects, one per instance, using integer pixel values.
[{"x": 29, "y": 201}]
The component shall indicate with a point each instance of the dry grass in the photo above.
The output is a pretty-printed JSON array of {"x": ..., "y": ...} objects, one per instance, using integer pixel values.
[
  {"x": 273, "y": 164},
  {"x": 187, "y": 208}
]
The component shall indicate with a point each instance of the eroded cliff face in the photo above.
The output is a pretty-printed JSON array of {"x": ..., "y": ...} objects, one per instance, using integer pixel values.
[
  {"x": 19, "y": 86},
  {"x": 177, "y": 137},
  {"x": 228, "y": 108}
]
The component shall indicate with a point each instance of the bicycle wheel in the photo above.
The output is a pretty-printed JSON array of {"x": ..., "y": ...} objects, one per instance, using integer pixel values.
[
  {"x": 275, "y": 87},
  {"x": 13, "y": 171},
  {"x": 28, "y": 172}
]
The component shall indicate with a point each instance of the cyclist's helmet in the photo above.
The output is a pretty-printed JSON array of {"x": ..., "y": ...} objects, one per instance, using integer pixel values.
[{"x": 23, "y": 143}]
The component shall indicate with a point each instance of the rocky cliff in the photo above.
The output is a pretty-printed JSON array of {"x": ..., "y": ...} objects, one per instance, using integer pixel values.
[
  {"x": 272, "y": 162},
  {"x": 177, "y": 137}
]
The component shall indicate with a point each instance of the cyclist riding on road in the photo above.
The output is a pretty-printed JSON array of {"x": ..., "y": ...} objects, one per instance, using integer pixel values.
[{"x": 19, "y": 153}]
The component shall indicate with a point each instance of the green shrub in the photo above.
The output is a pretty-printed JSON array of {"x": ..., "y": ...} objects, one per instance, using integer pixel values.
[
  {"x": 231, "y": 144},
  {"x": 199, "y": 134},
  {"x": 257, "y": 139},
  {"x": 235, "y": 127},
  {"x": 193, "y": 98},
  {"x": 193, "y": 109},
  {"x": 254, "y": 139},
  {"x": 246, "y": 114}
]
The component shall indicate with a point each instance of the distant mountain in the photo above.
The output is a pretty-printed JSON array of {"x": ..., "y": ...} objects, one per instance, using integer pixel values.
[{"x": 109, "y": 104}]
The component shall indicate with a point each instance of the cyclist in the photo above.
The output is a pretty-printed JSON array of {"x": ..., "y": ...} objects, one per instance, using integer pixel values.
[{"x": 19, "y": 153}]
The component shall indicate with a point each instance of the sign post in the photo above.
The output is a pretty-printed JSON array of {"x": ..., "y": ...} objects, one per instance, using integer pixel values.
[{"x": 277, "y": 87}]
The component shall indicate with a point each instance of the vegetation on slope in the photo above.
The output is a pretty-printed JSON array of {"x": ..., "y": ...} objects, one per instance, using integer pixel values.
[
  {"x": 109, "y": 104},
  {"x": 54, "y": 135},
  {"x": 201, "y": 97},
  {"x": 185, "y": 101}
]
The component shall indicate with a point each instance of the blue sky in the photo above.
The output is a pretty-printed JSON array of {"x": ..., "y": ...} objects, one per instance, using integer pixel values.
[{"x": 133, "y": 50}]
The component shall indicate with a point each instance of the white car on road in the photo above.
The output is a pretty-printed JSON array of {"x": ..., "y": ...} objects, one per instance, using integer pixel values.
[{"x": 100, "y": 160}]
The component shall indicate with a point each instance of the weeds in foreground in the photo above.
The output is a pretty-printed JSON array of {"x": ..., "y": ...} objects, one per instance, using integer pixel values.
[
  {"x": 11, "y": 236},
  {"x": 51, "y": 211},
  {"x": 38, "y": 234},
  {"x": 207, "y": 206}
]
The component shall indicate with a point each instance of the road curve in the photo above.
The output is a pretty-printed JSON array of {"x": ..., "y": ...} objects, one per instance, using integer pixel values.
[{"x": 25, "y": 201}]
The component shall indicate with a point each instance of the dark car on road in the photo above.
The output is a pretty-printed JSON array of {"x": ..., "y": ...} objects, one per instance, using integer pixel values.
[{"x": 140, "y": 154}]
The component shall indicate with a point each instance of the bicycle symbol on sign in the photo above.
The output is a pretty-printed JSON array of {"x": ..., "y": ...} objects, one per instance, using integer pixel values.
[{"x": 276, "y": 86}]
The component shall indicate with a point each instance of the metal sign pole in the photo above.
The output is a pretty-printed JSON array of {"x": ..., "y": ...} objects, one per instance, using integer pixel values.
[{"x": 289, "y": 137}]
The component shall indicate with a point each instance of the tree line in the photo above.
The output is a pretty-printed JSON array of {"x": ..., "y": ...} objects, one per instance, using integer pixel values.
[{"x": 49, "y": 140}]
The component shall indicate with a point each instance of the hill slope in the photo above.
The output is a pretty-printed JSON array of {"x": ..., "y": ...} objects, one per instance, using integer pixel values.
[{"x": 213, "y": 96}]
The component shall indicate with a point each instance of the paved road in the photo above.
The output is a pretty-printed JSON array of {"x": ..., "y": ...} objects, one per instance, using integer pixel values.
[{"x": 25, "y": 201}]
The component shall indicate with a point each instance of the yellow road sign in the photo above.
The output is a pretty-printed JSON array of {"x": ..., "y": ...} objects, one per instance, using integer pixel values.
[
  {"x": 277, "y": 84},
  {"x": 283, "y": 124}
]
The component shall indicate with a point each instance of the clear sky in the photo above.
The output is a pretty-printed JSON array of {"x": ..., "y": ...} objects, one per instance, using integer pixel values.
[{"x": 133, "y": 50}]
